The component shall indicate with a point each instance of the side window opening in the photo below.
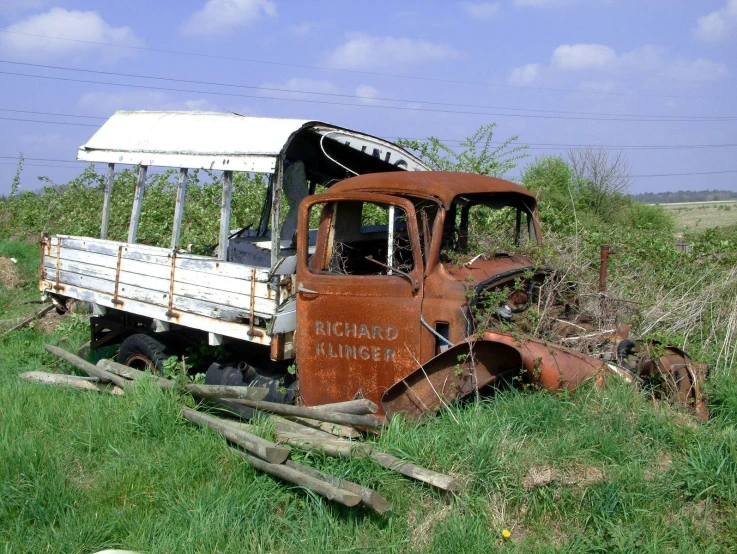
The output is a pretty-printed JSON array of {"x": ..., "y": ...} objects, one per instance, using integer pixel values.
[
  {"x": 486, "y": 225},
  {"x": 363, "y": 238}
]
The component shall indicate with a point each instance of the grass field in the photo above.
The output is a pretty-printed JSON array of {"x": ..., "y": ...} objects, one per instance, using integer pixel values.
[
  {"x": 595, "y": 471},
  {"x": 699, "y": 216}
]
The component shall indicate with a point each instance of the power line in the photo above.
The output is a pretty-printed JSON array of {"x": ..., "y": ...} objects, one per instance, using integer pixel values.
[
  {"x": 360, "y": 72},
  {"x": 354, "y": 96},
  {"x": 49, "y": 122},
  {"x": 684, "y": 174},
  {"x": 529, "y": 145},
  {"x": 50, "y": 113},
  {"x": 373, "y": 106},
  {"x": 43, "y": 160}
]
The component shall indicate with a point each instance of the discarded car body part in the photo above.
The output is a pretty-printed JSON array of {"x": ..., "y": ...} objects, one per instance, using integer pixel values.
[
  {"x": 550, "y": 365},
  {"x": 456, "y": 373},
  {"x": 677, "y": 379}
]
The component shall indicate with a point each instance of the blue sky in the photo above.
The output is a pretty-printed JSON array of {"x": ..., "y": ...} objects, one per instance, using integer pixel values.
[{"x": 655, "y": 77}]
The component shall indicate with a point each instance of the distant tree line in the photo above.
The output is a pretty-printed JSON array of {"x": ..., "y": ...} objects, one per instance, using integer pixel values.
[{"x": 684, "y": 196}]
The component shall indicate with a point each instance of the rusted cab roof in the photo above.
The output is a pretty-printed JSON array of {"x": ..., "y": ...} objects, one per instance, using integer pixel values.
[{"x": 443, "y": 185}]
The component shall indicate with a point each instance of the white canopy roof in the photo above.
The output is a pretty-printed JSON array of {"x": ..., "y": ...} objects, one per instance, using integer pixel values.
[{"x": 218, "y": 141}]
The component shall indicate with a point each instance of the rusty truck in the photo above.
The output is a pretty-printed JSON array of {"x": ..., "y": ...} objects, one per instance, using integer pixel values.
[{"x": 368, "y": 289}]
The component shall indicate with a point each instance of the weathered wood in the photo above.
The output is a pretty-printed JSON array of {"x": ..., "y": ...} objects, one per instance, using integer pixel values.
[
  {"x": 369, "y": 498},
  {"x": 407, "y": 469},
  {"x": 313, "y": 413},
  {"x": 343, "y": 431},
  {"x": 361, "y": 406},
  {"x": 137, "y": 202},
  {"x": 288, "y": 426},
  {"x": 254, "y": 444},
  {"x": 225, "y": 215},
  {"x": 334, "y": 446},
  {"x": 200, "y": 391},
  {"x": 155, "y": 255},
  {"x": 296, "y": 476},
  {"x": 179, "y": 208},
  {"x": 87, "y": 367},
  {"x": 42, "y": 312},
  {"x": 228, "y": 328},
  {"x": 69, "y": 381},
  {"x": 106, "y": 201}
]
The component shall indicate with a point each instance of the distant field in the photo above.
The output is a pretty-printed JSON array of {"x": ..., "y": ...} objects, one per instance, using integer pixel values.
[{"x": 703, "y": 215}]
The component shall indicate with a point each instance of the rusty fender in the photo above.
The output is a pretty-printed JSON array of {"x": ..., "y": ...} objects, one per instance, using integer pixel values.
[{"x": 552, "y": 366}]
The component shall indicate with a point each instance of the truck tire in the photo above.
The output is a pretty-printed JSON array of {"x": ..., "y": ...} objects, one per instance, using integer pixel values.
[{"x": 144, "y": 352}]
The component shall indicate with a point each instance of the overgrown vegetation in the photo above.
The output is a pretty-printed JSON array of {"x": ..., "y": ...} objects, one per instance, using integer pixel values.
[{"x": 600, "y": 470}]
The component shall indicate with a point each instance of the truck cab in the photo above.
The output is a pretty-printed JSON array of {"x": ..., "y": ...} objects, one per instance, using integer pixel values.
[{"x": 397, "y": 266}]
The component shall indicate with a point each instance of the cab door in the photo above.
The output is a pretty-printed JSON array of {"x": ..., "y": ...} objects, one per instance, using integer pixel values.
[{"x": 359, "y": 296}]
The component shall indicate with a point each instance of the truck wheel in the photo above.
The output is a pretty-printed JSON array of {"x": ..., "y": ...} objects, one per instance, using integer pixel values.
[{"x": 143, "y": 352}]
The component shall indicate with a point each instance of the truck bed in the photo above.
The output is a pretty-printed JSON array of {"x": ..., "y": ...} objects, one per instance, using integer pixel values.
[{"x": 204, "y": 293}]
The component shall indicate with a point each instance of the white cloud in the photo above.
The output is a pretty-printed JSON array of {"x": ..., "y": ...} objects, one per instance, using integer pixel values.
[
  {"x": 106, "y": 103},
  {"x": 583, "y": 56},
  {"x": 15, "y": 6},
  {"x": 525, "y": 75},
  {"x": 363, "y": 51},
  {"x": 221, "y": 16},
  {"x": 302, "y": 84},
  {"x": 600, "y": 65},
  {"x": 482, "y": 10},
  {"x": 26, "y": 38},
  {"x": 302, "y": 29},
  {"x": 367, "y": 93},
  {"x": 543, "y": 3},
  {"x": 700, "y": 70},
  {"x": 718, "y": 25}
]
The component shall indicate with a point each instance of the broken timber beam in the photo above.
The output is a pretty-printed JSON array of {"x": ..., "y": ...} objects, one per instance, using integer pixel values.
[
  {"x": 87, "y": 367},
  {"x": 439, "y": 480},
  {"x": 369, "y": 498},
  {"x": 256, "y": 445},
  {"x": 355, "y": 407},
  {"x": 312, "y": 413},
  {"x": 42, "y": 312},
  {"x": 298, "y": 477},
  {"x": 69, "y": 381}
]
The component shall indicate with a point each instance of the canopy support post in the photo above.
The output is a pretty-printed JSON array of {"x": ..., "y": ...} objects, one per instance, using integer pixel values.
[
  {"x": 276, "y": 212},
  {"x": 106, "y": 201},
  {"x": 137, "y": 201},
  {"x": 225, "y": 215},
  {"x": 179, "y": 208}
]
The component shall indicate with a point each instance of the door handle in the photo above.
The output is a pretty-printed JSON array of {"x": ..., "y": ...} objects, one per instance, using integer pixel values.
[{"x": 301, "y": 288}]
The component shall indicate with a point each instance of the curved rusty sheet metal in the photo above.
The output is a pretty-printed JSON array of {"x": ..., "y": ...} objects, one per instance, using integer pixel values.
[
  {"x": 455, "y": 373},
  {"x": 550, "y": 365}
]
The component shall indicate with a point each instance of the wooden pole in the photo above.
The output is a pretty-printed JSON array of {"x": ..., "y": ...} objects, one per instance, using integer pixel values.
[
  {"x": 68, "y": 381},
  {"x": 356, "y": 407},
  {"x": 87, "y": 367},
  {"x": 179, "y": 208},
  {"x": 333, "y": 446},
  {"x": 343, "y": 431},
  {"x": 201, "y": 391},
  {"x": 257, "y": 446},
  {"x": 369, "y": 498},
  {"x": 313, "y": 413},
  {"x": 106, "y": 201},
  {"x": 137, "y": 201},
  {"x": 42, "y": 312},
  {"x": 428, "y": 476},
  {"x": 225, "y": 215},
  {"x": 300, "y": 478}
]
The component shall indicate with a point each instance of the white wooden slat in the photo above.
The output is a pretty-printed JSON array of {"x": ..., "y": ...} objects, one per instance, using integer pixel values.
[
  {"x": 156, "y": 291},
  {"x": 229, "y": 329},
  {"x": 161, "y": 256},
  {"x": 137, "y": 203},
  {"x": 179, "y": 207},
  {"x": 211, "y": 284}
]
